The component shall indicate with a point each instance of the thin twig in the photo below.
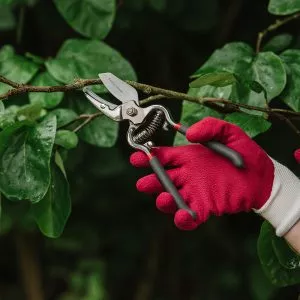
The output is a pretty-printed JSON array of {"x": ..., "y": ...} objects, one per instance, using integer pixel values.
[
  {"x": 88, "y": 119},
  {"x": 272, "y": 27},
  {"x": 288, "y": 122}
]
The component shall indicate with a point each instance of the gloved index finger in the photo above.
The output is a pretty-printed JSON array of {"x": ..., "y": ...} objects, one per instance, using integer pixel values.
[
  {"x": 168, "y": 156},
  {"x": 214, "y": 129}
]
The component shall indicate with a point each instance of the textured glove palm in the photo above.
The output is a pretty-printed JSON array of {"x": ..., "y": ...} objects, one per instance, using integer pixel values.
[{"x": 208, "y": 182}]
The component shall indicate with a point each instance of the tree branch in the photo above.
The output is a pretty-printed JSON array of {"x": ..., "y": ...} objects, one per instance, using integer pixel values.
[
  {"x": 19, "y": 89},
  {"x": 273, "y": 27},
  {"x": 155, "y": 92}
]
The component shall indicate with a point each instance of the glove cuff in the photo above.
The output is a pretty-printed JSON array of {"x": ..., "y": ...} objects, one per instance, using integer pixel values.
[{"x": 282, "y": 209}]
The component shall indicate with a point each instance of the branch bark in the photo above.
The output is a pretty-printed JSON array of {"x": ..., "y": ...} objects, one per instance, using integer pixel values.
[
  {"x": 19, "y": 89},
  {"x": 154, "y": 92}
]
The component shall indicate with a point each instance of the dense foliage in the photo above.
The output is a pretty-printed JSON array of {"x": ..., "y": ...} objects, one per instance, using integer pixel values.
[{"x": 58, "y": 155}]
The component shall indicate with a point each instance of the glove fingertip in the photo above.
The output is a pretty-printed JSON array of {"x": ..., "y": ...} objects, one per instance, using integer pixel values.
[
  {"x": 184, "y": 221},
  {"x": 199, "y": 132},
  {"x": 139, "y": 159},
  {"x": 165, "y": 203},
  {"x": 297, "y": 155}
]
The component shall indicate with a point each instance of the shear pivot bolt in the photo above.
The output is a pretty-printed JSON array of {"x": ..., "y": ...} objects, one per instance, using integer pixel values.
[{"x": 131, "y": 111}]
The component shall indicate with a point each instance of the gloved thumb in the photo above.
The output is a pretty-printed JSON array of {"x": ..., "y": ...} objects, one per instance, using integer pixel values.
[{"x": 297, "y": 155}]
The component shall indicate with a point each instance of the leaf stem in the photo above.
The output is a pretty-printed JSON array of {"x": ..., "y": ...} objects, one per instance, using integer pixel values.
[
  {"x": 87, "y": 119},
  {"x": 278, "y": 23}
]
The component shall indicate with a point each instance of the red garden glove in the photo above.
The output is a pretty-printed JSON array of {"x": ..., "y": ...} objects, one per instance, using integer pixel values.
[
  {"x": 297, "y": 155},
  {"x": 211, "y": 185}
]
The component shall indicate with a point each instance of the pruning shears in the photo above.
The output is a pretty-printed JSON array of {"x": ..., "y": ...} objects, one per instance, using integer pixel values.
[{"x": 144, "y": 122}]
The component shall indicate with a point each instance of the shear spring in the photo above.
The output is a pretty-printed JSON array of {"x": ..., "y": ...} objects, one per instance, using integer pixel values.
[{"x": 142, "y": 134}]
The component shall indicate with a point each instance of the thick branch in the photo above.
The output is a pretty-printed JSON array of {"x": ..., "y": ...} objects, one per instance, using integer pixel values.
[{"x": 274, "y": 27}]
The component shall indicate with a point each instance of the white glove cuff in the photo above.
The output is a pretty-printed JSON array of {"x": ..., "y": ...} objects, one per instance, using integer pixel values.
[{"x": 282, "y": 209}]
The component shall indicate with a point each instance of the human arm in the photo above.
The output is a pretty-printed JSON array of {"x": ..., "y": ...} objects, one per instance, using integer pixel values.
[{"x": 293, "y": 237}]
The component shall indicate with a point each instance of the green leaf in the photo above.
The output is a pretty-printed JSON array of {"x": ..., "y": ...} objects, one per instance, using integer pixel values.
[
  {"x": 265, "y": 68},
  {"x": 7, "y": 19},
  {"x": 64, "y": 116},
  {"x": 218, "y": 79},
  {"x": 252, "y": 125},
  {"x": 278, "y": 274},
  {"x": 52, "y": 212},
  {"x": 36, "y": 59},
  {"x": 194, "y": 112},
  {"x": 102, "y": 131},
  {"x": 66, "y": 138},
  {"x": 59, "y": 162},
  {"x": 86, "y": 59},
  {"x": 8, "y": 116},
  {"x": 278, "y": 43},
  {"x": 291, "y": 93},
  {"x": 25, "y": 152},
  {"x": 15, "y": 68},
  {"x": 283, "y": 7},
  {"x": 268, "y": 70},
  {"x": 233, "y": 58},
  {"x": 287, "y": 257},
  {"x": 92, "y": 19},
  {"x": 29, "y": 112},
  {"x": 47, "y": 100}
]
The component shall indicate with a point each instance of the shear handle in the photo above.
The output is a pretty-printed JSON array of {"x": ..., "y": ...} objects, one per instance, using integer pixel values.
[
  {"x": 168, "y": 185},
  {"x": 220, "y": 148}
]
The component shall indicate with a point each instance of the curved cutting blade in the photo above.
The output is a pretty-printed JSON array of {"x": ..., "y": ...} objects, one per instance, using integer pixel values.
[{"x": 119, "y": 88}]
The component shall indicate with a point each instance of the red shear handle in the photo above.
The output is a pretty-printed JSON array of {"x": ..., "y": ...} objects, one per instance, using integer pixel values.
[
  {"x": 225, "y": 151},
  {"x": 169, "y": 185}
]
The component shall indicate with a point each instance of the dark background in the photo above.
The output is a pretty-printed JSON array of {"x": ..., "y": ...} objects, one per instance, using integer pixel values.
[{"x": 115, "y": 238}]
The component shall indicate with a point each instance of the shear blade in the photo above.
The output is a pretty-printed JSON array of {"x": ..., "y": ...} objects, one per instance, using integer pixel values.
[
  {"x": 119, "y": 88},
  {"x": 96, "y": 100}
]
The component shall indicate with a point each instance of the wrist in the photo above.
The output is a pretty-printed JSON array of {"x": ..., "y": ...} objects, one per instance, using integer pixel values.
[
  {"x": 293, "y": 237},
  {"x": 282, "y": 209}
]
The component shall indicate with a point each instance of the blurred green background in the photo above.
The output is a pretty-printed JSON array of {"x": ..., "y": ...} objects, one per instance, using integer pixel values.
[{"x": 116, "y": 245}]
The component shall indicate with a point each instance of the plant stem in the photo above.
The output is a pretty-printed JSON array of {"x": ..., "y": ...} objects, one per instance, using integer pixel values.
[
  {"x": 273, "y": 27},
  {"x": 288, "y": 122},
  {"x": 88, "y": 119},
  {"x": 23, "y": 88}
]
